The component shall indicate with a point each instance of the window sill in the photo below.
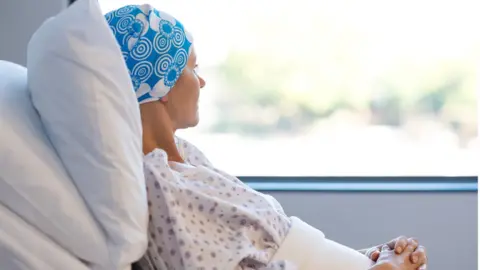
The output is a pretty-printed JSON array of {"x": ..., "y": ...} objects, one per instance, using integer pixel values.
[{"x": 363, "y": 184}]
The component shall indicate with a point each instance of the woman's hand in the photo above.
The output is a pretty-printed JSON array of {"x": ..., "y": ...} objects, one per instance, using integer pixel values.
[
  {"x": 398, "y": 245},
  {"x": 390, "y": 260}
]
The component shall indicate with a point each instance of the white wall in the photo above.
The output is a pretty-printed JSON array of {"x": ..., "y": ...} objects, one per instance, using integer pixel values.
[
  {"x": 18, "y": 21},
  {"x": 446, "y": 223}
]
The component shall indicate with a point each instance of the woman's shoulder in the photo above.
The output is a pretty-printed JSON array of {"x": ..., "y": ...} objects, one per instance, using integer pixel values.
[
  {"x": 157, "y": 157},
  {"x": 191, "y": 154}
]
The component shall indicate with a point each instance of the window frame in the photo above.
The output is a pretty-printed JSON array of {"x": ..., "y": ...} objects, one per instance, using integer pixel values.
[{"x": 363, "y": 184}]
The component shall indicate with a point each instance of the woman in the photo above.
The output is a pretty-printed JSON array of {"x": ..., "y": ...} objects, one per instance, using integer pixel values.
[{"x": 201, "y": 217}]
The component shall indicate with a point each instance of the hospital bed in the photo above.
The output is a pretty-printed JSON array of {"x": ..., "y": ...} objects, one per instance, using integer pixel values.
[{"x": 64, "y": 181}]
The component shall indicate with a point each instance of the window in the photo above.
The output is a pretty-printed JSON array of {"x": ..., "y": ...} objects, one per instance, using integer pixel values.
[{"x": 336, "y": 87}]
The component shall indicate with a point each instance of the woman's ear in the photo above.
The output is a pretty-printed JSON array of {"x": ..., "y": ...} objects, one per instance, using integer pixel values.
[{"x": 164, "y": 99}]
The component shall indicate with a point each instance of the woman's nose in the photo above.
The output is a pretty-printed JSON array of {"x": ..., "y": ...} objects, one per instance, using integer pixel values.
[{"x": 202, "y": 82}]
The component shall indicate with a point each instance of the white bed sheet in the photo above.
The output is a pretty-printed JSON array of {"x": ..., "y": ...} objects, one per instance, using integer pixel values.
[
  {"x": 22, "y": 247},
  {"x": 33, "y": 182}
]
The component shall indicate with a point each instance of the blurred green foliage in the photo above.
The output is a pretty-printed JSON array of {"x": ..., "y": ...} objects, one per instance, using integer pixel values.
[{"x": 288, "y": 79}]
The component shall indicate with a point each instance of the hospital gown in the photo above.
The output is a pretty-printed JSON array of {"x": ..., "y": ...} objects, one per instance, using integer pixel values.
[{"x": 203, "y": 218}]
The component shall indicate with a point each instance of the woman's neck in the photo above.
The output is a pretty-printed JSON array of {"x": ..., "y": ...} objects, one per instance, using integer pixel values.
[{"x": 158, "y": 131}]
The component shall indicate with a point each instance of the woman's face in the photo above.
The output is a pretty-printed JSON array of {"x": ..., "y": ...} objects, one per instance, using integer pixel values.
[{"x": 182, "y": 100}]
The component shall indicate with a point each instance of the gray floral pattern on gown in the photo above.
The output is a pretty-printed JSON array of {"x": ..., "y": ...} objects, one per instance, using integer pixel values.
[{"x": 203, "y": 218}]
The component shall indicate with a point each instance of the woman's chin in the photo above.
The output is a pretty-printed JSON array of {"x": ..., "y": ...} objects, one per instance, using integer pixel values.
[{"x": 194, "y": 121}]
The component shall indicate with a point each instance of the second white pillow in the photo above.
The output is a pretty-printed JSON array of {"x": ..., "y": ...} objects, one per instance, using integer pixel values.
[{"x": 83, "y": 93}]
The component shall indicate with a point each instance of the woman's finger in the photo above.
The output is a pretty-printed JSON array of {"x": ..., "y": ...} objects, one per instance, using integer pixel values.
[
  {"x": 419, "y": 256},
  {"x": 373, "y": 253},
  {"x": 384, "y": 253},
  {"x": 398, "y": 244},
  {"x": 412, "y": 244}
]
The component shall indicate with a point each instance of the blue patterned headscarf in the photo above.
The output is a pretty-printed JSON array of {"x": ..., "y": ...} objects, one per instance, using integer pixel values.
[{"x": 155, "y": 47}]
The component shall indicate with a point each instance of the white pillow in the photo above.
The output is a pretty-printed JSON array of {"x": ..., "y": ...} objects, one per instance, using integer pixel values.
[
  {"x": 23, "y": 247},
  {"x": 82, "y": 90},
  {"x": 33, "y": 181}
]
